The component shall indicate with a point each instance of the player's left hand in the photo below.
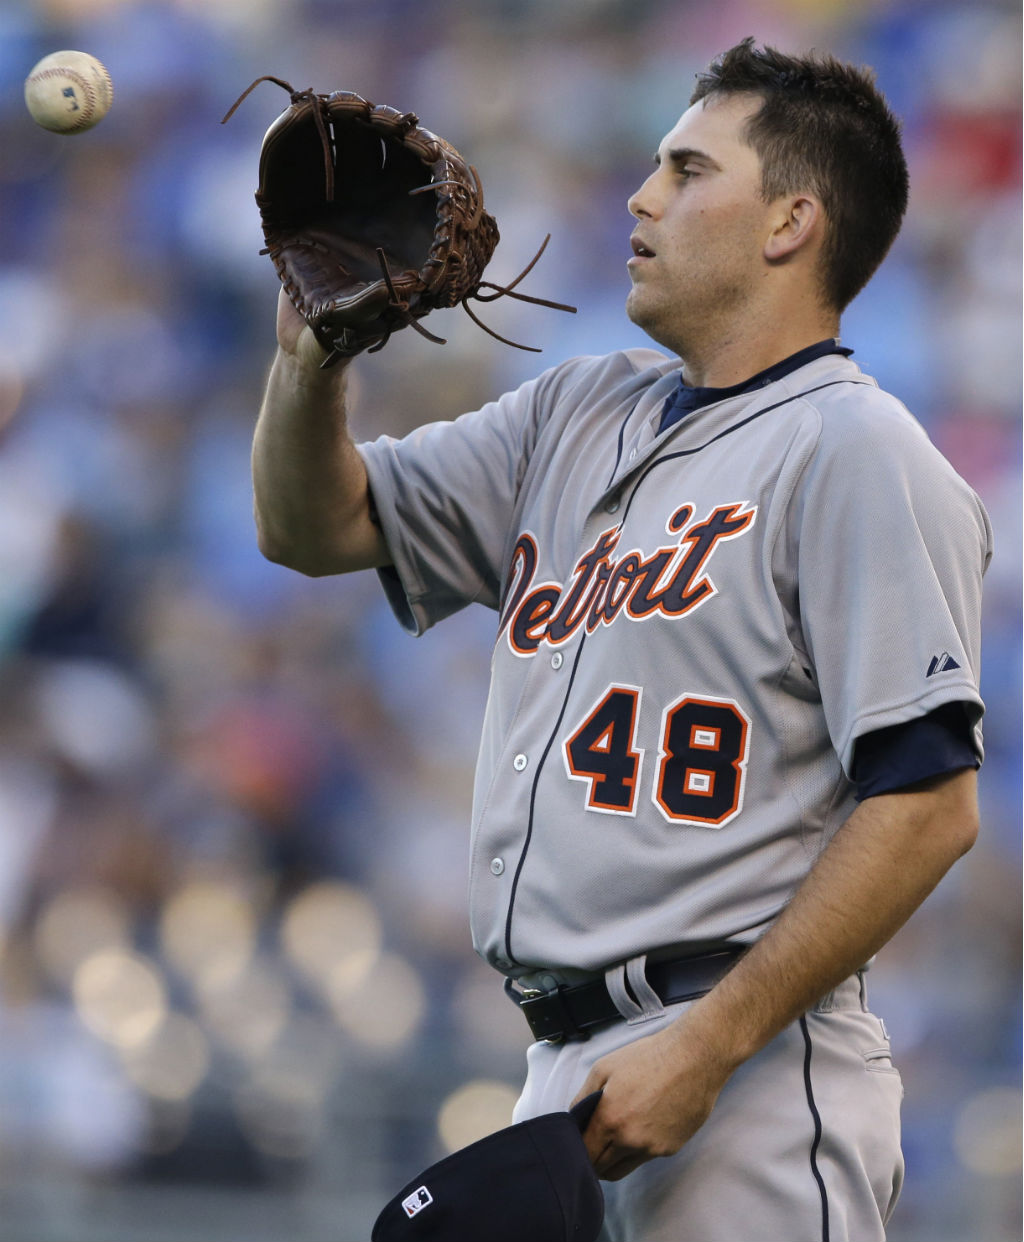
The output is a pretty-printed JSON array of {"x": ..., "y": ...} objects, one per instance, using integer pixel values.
[{"x": 657, "y": 1093}]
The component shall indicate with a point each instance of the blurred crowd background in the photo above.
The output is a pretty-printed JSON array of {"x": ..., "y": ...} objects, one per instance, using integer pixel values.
[{"x": 237, "y": 997}]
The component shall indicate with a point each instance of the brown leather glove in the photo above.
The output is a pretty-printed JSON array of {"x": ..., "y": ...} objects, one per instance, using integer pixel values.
[{"x": 371, "y": 221}]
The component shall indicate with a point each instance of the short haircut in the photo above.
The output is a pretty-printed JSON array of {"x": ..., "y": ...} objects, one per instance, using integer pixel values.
[{"x": 823, "y": 127}]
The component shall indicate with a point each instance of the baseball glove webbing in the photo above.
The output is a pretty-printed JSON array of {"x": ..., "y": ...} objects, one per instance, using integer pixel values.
[{"x": 361, "y": 244}]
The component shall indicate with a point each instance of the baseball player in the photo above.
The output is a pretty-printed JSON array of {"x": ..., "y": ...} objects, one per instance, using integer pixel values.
[{"x": 734, "y": 723}]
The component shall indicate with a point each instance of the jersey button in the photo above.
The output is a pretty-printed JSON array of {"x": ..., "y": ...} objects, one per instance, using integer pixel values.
[
  {"x": 612, "y": 505},
  {"x": 520, "y": 762},
  {"x": 497, "y": 866},
  {"x": 557, "y": 660}
]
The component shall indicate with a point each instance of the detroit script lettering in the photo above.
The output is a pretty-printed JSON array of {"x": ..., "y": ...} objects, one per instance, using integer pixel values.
[{"x": 670, "y": 581}]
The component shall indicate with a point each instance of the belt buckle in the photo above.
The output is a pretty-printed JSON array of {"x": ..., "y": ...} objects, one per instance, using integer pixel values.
[
  {"x": 526, "y": 999},
  {"x": 570, "y": 1032},
  {"x": 530, "y": 994}
]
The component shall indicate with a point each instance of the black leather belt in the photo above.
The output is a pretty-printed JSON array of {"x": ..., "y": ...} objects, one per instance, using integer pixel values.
[{"x": 571, "y": 1013}]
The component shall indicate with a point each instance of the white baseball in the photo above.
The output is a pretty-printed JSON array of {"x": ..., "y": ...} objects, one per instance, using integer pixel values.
[{"x": 68, "y": 92}]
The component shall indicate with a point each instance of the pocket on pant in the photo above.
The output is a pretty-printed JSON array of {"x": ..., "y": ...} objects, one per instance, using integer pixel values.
[
  {"x": 878, "y": 1057},
  {"x": 879, "y": 1061}
]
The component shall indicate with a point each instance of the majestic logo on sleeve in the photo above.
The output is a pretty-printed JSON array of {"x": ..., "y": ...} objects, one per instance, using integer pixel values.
[{"x": 607, "y": 583}]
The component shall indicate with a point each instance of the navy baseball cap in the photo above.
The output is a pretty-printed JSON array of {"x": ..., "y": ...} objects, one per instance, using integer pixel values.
[{"x": 533, "y": 1180}]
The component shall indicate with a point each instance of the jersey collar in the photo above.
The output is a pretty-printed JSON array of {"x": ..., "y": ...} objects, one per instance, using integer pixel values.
[{"x": 686, "y": 399}]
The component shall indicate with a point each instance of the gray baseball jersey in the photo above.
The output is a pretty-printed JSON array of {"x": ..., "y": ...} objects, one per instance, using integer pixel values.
[{"x": 695, "y": 628}]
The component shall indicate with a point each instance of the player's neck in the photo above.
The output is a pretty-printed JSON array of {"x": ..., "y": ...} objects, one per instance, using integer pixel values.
[{"x": 736, "y": 355}]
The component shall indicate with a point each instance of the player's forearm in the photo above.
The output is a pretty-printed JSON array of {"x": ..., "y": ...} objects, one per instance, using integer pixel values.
[
  {"x": 881, "y": 865},
  {"x": 310, "y": 486}
]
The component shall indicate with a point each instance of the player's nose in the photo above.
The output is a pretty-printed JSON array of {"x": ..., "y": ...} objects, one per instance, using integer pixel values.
[{"x": 642, "y": 202}]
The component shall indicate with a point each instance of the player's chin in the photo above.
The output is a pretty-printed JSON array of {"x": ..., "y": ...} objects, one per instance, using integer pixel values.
[
  {"x": 642, "y": 311},
  {"x": 638, "y": 306}
]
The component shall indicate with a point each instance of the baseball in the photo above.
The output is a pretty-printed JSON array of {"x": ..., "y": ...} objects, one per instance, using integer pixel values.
[{"x": 68, "y": 92}]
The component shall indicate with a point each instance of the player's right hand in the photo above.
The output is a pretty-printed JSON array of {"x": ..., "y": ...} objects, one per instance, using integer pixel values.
[{"x": 295, "y": 337}]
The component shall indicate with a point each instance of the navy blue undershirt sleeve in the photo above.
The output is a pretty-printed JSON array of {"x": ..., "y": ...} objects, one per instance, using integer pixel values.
[{"x": 892, "y": 758}]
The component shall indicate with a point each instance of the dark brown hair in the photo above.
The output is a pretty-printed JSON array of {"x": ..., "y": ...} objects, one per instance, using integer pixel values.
[{"x": 823, "y": 127}]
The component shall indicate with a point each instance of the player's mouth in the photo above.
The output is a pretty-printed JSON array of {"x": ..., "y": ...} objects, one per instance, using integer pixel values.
[{"x": 641, "y": 251}]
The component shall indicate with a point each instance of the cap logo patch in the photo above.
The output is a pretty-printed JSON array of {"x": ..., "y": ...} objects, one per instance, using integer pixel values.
[{"x": 417, "y": 1201}]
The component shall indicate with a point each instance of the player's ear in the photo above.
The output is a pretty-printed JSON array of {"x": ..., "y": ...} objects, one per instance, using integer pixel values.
[{"x": 799, "y": 221}]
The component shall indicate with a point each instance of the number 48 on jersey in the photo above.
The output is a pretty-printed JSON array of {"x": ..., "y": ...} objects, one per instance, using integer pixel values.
[{"x": 702, "y": 758}]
